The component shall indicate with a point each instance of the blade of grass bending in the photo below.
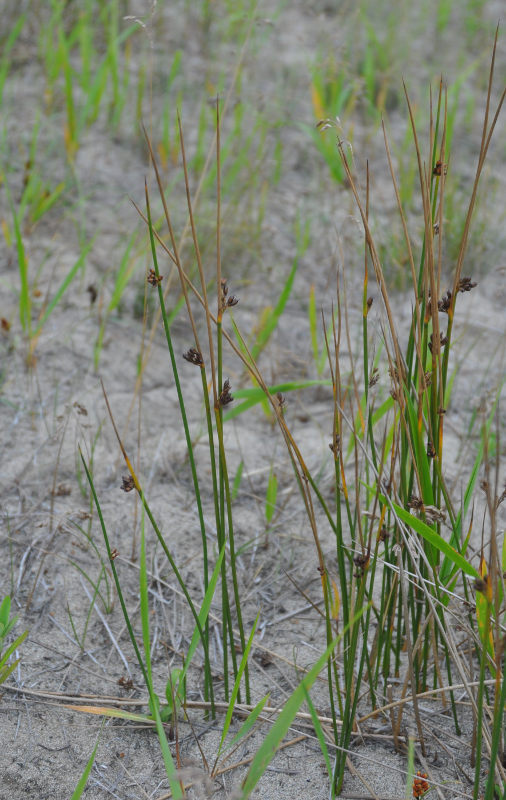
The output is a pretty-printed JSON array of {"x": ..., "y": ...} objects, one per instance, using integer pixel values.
[
  {"x": 235, "y": 691},
  {"x": 455, "y": 539},
  {"x": 272, "y": 320},
  {"x": 468, "y": 494},
  {"x": 83, "y": 780},
  {"x": 116, "y": 713},
  {"x": 5, "y": 671},
  {"x": 64, "y": 286},
  {"x": 249, "y": 721},
  {"x": 433, "y": 537},
  {"x": 278, "y": 731},
  {"x": 255, "y": 395},
  {"x": 320, "y": 736},
  {"x": 154, "y": 703}
]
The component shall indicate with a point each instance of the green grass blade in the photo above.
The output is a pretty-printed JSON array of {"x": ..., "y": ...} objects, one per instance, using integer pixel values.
[
  {"x": 278, "y": 731},
  {"x": 202, "y": 616},
  {"x": 25, "y": 303},
  {"x": 114, "y": 713},
  {"x": 45, "y": 203},
  {"x": 421, "y": 458},
  {"x": 5, "y": 63},
  {"x": 123, "y": 275},
  {"x": 6, "y": 671},
  {"x": 255, "y": 395},
  {"x": 6, "y": 624},
  {"x": 63, "y": 287},
  {"x": 455, "y": 539},
  {"x": 273, "y": 317},
  {"x": 497, "y": 734},
  {"x": 248, "y": 722},
  {"x": 410, "y": 773},
  {"x": 433, "y": 538},
  {"x": 312, "y": 323},
  {"x": 154, "y": 702},
  {"x": 237, "y": 481},
  {"x": 168, "y": 761},
  {"x": 270, "y": 498},
  {"x": 143, "y": 591},
  {"x": 235, "y": 691},
  {"x": 320, "y": 735},
  {"x": 76, "y": 794}
]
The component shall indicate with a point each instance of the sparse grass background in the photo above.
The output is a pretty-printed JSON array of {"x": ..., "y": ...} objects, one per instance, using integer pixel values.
[{"x": 248, "y": 567}]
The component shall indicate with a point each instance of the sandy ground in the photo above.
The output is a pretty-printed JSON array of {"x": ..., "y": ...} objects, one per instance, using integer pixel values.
[{"x": 47, "y": 411}]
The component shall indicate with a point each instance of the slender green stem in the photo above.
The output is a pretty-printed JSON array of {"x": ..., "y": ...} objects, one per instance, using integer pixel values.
[{"x": 193, "y": 468}]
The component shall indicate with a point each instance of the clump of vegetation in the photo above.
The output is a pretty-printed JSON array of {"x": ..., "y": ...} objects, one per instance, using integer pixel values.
[
  {"x": 399, "y": 534},
  {"x": 403, "y": 544}
]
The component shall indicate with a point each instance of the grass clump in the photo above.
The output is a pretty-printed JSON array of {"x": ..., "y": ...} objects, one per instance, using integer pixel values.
[
  {"x": 401, "y": 546},
  {"x": 410, "y": 599}
]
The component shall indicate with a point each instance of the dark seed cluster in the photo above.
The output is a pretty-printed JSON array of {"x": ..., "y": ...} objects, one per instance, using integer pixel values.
[
  {"x": 153, "y": 278},
  {"x": 193, "y": 356},
  {"x": 225, "y": 300},
  {"x": 127, "y": 483},
  {"x": 225, "y": 396}
]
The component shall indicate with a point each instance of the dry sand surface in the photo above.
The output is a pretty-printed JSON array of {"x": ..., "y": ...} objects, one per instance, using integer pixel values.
[{"x": 50, "y": 409}]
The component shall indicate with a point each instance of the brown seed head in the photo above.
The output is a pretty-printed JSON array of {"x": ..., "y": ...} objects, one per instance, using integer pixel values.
[
  {"x": 443, "y": 339},
  {"x": 225, "y": 396},
  {"x": 440, "y": 168},
  {"x": 433, "y": 514},
  {"x": 362, "y": 562},
  {"x": 501, "y": 498},
  {"x": 383, "y": 534},
  {"x": 127, "y": 483},
  {"x": 194, "y": 357},
  {"x": 153, "y": 278},
  {"x": 335, "y": 446},
  {"x": 281, "y": 402},
  {"x": 466, "y": 284},
  {"x": 444, "y": 304},
  {"x": 92, "y": 291}
]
